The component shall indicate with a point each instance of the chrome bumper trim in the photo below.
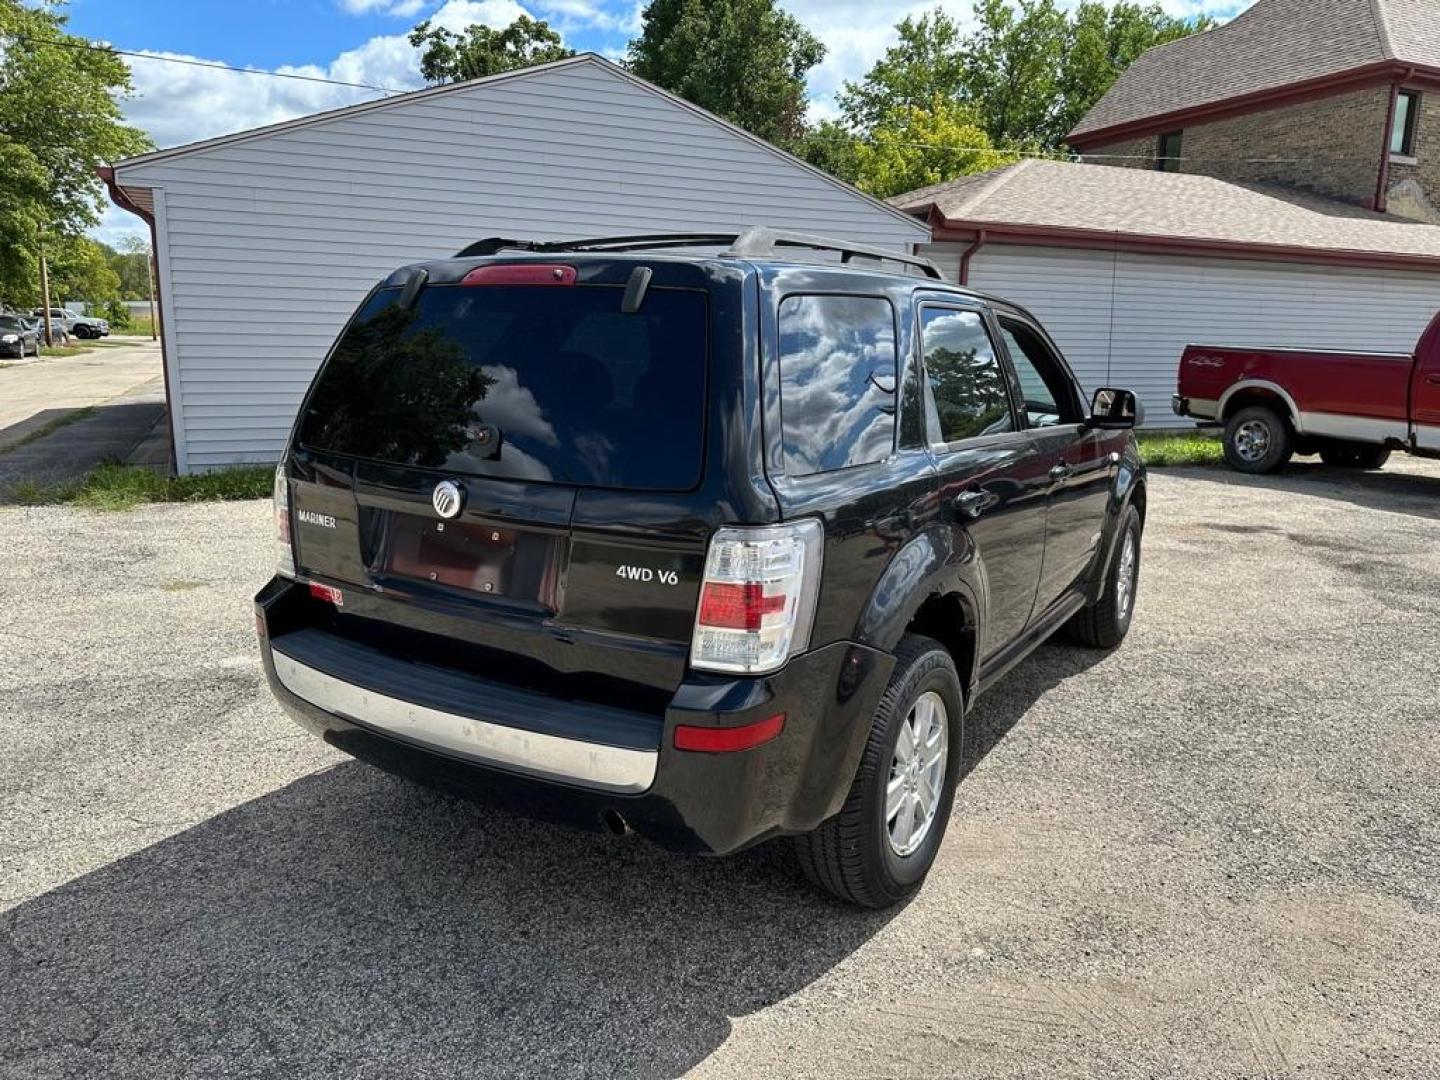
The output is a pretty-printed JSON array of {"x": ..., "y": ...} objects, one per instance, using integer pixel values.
[{"x": 550, "y": 757}]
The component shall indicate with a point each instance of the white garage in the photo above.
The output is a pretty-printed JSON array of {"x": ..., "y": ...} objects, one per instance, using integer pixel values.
[
  {"x": 267, "y": 239},
  {"x": 1126, "y": 267}
]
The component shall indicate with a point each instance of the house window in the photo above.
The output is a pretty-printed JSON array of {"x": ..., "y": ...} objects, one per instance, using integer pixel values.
[
  {"x": 1168, "y": 159},
  {"x": 1402, "y": 131}
]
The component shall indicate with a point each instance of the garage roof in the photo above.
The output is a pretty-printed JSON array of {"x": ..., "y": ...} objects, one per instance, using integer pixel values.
[
  {"x": 1276, "y": 44},
  {"x": 1087, "y": 205}
]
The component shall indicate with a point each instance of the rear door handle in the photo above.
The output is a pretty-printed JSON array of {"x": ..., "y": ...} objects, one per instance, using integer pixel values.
[
  {"x": 973, "y": 503},
  {"x": 1433, "y": 380},
  {"x": 1061, "y": 471}
]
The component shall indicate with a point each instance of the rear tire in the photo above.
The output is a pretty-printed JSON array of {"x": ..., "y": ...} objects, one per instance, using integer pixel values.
[
  {"x": 1354, "y": 456},
  {"x": 1258, "y": 440},
  {"x": 864, "y": 855},
  {"x": 1104, "y": 624}
]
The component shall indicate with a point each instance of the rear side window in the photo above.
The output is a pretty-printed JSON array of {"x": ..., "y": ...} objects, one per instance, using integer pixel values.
[
  {"x": 837, "y": 382},
  {"x": 528, "y": 383},
  {"x": 967, "y": 383}
]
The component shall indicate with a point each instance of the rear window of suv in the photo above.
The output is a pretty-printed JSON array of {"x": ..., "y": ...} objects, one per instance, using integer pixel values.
[{"x": 548, "y": 384}]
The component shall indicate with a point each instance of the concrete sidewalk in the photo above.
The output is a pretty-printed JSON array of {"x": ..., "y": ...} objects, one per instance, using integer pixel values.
[{"x": 125, "y": 388}]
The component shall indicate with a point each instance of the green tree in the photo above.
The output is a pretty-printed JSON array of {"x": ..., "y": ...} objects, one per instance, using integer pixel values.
[
  {"x": 1103, "y": 41},
  {"x": 1030, "y": 70},
  {"x": 831, "y": 146},
  {"x": 919, "y": 145},
  {"x": 24, "y": 190},
  {"x": 744, "y": 60},
  {"x": 448, "y": 56},
  {"x": 59, "y": 121},
  {"x": 58, "y": 99},
  {"x": 1012, "y": 63},
  {"x": 130, "y": 266},
  {"x": 80, "y": 270},
  {"x": 922, "y": 66}
]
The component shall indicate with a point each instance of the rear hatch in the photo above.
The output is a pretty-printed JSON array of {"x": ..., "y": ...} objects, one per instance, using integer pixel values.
[{"x": 575, "y": 433}]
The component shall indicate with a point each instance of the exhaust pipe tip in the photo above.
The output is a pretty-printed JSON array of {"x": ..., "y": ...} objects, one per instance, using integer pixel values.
[{"x": 613, "y": 823}]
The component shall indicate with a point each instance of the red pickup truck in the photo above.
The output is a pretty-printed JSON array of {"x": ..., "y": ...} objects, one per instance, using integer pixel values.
[{"x": 1351, "y": 408}]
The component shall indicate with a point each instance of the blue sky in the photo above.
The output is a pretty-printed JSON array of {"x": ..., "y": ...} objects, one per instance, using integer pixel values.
[{"x": 364, "y": 41}]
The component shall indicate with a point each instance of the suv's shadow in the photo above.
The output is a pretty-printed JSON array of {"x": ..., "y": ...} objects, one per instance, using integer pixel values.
[
  {"x": 1400, "y": 492},
  {"x": 351, "y": 924}
]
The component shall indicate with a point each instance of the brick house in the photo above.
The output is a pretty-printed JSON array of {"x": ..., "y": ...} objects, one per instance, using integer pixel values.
[
  {"x": 1127, "y": 266},
  {"x": 1338, "y": 97}
]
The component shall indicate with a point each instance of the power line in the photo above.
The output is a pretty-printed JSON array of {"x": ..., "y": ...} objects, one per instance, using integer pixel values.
[{"x": 206, "y": 64}]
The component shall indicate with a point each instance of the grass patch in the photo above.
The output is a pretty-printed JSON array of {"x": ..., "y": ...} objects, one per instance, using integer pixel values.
[
  {"x": 1190, "y": 448},
  {"x": 50, "y": 427},
  {"x": 57, "y": 352},
  {"x": 121, "y": 487}
]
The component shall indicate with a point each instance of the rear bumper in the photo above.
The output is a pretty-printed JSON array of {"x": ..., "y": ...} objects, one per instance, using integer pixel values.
[{"x": 570, "y": 762}]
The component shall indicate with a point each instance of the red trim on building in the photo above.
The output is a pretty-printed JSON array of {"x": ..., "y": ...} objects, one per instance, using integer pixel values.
[
  {"x": 120, "y": 199},
  {"x": 1107, "y": 240},
  {"x": 1377, "y": 74}
]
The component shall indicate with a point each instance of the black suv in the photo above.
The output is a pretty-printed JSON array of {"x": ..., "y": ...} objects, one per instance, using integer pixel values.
[{"x": 717, "y": 547}]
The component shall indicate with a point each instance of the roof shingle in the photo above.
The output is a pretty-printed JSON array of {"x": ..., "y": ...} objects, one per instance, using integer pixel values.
[
  {"x": 1271, "y": 45},
  {"x": 1147, "y": 203}
]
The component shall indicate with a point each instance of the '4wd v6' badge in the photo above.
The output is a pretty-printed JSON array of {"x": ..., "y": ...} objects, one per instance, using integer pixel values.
[{"x": 644, "y": 573}]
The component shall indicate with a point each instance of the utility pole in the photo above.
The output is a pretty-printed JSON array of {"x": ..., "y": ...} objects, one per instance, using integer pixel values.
[
  {"x": 150, "y": 267},
  {"x": 45, "y": 295}
]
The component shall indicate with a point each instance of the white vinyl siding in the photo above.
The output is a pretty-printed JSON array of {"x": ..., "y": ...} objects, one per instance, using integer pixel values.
[
  {"x": 271, "y": 241},
  {"x": 1124, "y": 319}
]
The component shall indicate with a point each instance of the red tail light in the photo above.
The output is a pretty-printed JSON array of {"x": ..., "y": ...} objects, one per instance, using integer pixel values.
[
  {"x": 521, "y": 274},
  {"x": 727, "y": 740},
  {"x": 737, "y": 606}
]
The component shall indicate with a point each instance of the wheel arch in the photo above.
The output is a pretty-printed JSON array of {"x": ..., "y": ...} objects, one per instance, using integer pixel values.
[
  {"x": 930, "y": 587},
  {"x": 1258, "y": 392}
]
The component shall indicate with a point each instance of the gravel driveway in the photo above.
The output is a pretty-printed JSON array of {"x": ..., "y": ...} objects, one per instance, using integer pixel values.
[{"x": 1215, "y": 852}]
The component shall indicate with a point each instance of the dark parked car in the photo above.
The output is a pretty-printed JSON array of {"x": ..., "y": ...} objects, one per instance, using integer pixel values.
[
  {"x": 19, "y": 336},
  {"x": 715, "y": 547}
]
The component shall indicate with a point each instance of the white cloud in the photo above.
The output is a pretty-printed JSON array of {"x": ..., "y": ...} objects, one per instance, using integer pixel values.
[
  {"x": 398, "y": 8},
  {"x": 179, "y": 103}
]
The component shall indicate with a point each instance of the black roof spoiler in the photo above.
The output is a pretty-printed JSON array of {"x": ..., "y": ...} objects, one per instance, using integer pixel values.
[{"x": 757, "y": 242}]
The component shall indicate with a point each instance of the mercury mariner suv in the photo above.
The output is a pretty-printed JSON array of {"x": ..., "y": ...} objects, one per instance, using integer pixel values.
[{"x": 717, "y": 547}]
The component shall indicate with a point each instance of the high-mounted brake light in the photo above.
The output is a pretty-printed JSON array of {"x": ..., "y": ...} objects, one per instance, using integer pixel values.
[
  {"x": 728, "y": 740},
  {"x": 757, "y": 601},
  {"x": 520, "y": 274},
  {"x": 284, "y": 548},
  {"x": 328, "y": 593}
]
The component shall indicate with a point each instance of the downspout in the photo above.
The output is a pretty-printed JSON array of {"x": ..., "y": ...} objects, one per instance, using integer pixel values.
[
  {"x": 968, "y": 254},
  {"x": 120, "y": 199},
  {"x": 1382, "y": 183}
]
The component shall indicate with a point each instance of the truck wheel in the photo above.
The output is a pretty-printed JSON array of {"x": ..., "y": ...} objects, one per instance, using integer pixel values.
[
  {"x": 879, "y": 848},
  {"x": 1104, "y": 624},
  {"x": 1258, "y": 440},
  {"x": 1351, "y": 456}
]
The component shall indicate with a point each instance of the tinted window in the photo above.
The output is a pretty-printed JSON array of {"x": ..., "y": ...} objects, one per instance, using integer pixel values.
[
  {"x": 837, "y": 381},
  {"x": 1402, "y": 129},
  {"x": 1168, "y": 159},
  {"x": 1043, "y": 382},
  {"x": 546, "y": 384},
  {"x": 966, "y": 380}
]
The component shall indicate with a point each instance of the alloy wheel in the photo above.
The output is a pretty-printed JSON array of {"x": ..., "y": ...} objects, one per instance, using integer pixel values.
[{"x": 917, "y": 774}]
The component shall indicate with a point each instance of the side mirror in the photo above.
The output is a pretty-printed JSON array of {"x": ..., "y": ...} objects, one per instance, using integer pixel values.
[{"x": 1115, "y": 410}]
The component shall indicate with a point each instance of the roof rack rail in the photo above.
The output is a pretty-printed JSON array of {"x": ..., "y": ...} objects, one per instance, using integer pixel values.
[
  {"x": 640, "y": 242},
  {"x": 755, "y": 242},
  {"x": 759, "y": 242}
]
